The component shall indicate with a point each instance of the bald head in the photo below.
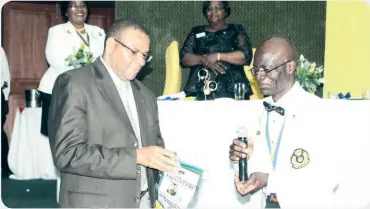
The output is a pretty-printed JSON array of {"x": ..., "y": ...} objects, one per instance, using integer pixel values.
[
  {"x": 280, "y": 46},
  {"x": 277, "y": 55}
]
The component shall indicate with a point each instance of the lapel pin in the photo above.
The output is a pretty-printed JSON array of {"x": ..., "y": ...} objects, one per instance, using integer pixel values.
[{"x": 300, "y": 158}]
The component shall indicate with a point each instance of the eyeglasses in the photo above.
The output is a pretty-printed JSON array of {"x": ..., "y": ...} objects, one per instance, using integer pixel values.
[
  {"x": 260, "y": 70},
  {"x": 146, "y": 56},
  {"x": 216, "y": 9}
]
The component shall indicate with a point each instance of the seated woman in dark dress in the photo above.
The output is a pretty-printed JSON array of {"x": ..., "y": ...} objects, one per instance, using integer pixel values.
[{"x": 223, "y": 49}]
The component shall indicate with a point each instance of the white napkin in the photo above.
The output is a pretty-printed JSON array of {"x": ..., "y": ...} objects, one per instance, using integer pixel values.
[{"x": 179, "y": 95}]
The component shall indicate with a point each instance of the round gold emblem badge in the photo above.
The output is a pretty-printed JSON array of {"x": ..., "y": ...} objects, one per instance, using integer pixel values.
[{"x": 300, "y": 158}]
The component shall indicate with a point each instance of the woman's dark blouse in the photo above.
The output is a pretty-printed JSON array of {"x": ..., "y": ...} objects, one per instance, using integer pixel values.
[{"x": 200, "y": 42}]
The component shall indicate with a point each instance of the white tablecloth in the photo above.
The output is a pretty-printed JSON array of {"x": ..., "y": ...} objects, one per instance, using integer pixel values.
[
  {"x": 29, "y": 151},
  {"x": 200, "y": 132}
]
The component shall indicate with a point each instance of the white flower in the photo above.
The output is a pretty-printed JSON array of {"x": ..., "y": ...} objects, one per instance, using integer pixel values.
[
  {"x": 301, "y": 58},
  {"x": 313, "y": 65}
]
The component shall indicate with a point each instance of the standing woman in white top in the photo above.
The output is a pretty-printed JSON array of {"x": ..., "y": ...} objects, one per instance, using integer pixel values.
[{"x": 63, "y": 39}]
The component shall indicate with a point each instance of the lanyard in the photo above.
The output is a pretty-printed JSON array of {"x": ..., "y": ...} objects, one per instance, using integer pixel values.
[
  {"x": 276, "y": 151},
  {"x": 87, "y": 43}
]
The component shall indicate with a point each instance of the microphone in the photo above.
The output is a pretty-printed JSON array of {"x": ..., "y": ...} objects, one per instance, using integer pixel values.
[{"x": 243, "y": 162}]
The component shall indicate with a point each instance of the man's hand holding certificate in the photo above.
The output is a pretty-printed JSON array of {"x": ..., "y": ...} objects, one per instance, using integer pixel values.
[{"x": 178, "y": 188}]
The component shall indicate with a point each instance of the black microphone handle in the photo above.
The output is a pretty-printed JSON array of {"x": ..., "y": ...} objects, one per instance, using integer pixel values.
[{"x": 243, "y": 163}]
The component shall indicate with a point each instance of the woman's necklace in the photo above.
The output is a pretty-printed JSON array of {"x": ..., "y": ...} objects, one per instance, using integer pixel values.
[
  {"x": 82, "y": 30},
  {"x": 80, "y": 34}
]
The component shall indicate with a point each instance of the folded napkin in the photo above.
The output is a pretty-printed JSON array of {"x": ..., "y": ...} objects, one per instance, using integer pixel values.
[
  {"x": 346, "y": 96},
  {"x": 169, "y": 97}
]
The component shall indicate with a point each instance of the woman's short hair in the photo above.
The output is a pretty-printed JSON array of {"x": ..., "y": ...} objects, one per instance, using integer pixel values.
[
  {"x": 64, "y": 9},
  {"x": 225, "y": 4}
]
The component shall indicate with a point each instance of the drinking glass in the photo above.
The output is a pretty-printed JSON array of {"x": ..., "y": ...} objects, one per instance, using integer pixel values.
[
  {"x": 332, "y": 95},
  {"x": 366, "y": 95},
  {"x": 239, "y": 91}
]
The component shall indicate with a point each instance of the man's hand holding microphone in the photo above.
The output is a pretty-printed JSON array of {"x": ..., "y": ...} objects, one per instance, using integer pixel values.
[{"x": 241, "y": 151}]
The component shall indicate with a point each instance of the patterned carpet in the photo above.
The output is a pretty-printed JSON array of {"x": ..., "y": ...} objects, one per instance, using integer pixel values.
[{"x": 28, "y": 193}]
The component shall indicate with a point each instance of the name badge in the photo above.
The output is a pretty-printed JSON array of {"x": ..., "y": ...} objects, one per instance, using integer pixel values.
[{"x": 199, "y": 35}]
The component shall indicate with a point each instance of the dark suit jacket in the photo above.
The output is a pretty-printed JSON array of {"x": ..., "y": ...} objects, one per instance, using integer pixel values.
[{"x": 93, "y": 143}]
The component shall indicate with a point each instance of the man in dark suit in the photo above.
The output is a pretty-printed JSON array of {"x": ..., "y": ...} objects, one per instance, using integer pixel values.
[{"x": 104, "y": 130}]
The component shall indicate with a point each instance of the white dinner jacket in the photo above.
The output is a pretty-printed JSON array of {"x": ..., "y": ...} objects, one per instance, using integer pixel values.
[
  {"x": 350, "y": 128},
  {"x": 310, "y": 186},
  {"x": 62, "y": 39}
]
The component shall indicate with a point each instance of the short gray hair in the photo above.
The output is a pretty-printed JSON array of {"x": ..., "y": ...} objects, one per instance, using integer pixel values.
[{"x": 118, "y": 26}]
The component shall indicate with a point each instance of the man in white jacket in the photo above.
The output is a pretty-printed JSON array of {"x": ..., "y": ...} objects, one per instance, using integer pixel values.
[
  {"x": 293, "y": 160},
  {"x": 5, "y": 74}
]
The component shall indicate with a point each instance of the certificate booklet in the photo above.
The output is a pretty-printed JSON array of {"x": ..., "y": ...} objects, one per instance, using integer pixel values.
[{"x": 179, "y": 188}]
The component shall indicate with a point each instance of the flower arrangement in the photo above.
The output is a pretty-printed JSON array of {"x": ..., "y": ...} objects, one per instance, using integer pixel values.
[
  {"x": 308, "y": 75},
  {"x": 79, "y": 58}
]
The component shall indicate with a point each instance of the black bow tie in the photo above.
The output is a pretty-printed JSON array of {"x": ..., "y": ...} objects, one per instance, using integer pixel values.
[{"x": 270, "y": 108}]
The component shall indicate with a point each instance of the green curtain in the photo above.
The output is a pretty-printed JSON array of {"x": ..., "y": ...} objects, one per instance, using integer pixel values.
[{"x": 303, "y": 22}]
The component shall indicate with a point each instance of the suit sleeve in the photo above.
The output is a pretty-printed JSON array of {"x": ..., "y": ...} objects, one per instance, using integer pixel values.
[
  {"x": 68, "y": 135},
  {"x": 159, "y": 141},
  {"x": 55, "y": 50}
]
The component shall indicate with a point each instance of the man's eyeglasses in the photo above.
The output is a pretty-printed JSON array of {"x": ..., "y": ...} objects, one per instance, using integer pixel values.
[
  {"x": 146, "y": 56},
  {"x": 264, "y": 71},
  {"x": 216, "y": 9}
]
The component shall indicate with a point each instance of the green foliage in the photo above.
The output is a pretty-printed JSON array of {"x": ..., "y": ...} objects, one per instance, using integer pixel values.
[
  {"x": 308, "y": 75},
  {"x": 79, "y": 58}
]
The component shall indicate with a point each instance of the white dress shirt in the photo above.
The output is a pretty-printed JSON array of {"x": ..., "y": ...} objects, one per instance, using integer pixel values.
[
  {"x": 5, "y": 74},
  {"x": 276, "y": 122},
  {"x": 127, "y": 97}
]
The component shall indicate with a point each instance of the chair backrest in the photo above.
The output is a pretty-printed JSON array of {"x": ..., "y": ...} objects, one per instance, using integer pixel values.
[
  {"x": 252, "y": 80},
  {"x": 173, "y": 69}
]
